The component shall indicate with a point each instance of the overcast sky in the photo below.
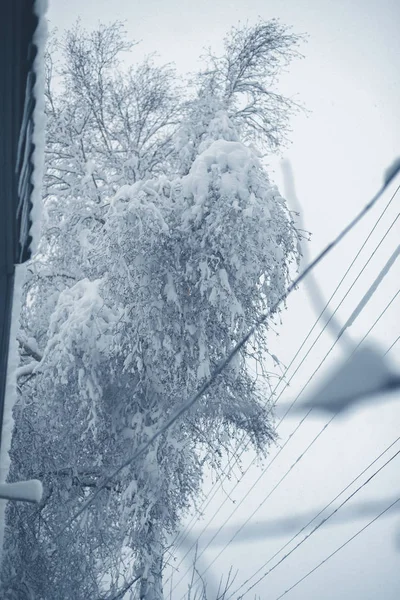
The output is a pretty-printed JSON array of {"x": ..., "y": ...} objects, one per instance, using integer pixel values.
[{"x": 349, "y": 82}]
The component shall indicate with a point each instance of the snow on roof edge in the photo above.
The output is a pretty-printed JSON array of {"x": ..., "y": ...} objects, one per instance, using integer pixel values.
[
  {"x": 38, "y": 138},
  {"x": 39, "y": 122}
]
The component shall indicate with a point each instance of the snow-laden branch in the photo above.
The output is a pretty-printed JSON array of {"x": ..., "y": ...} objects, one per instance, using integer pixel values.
[
  {"x": 28, "y": 349},
  {"x": 26, "y": 369},
  {"x": 119, "y": 595}
]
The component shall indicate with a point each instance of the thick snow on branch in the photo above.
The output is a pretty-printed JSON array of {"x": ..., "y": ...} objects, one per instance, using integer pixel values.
[
  {"x": 30, "y": 347},
  {"x": 80, "y": 334},
  {"x": 26, "y": 369}
]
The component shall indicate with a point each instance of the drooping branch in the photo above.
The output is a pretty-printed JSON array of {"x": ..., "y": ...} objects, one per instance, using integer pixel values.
[
  {"x": 27, "y": 348},
  {"x": 119, "y": 595}
]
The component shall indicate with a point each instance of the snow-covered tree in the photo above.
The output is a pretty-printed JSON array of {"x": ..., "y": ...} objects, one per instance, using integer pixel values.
[
  {"x": 162, "y": 246},
  {"x": 242, "y": 83}
]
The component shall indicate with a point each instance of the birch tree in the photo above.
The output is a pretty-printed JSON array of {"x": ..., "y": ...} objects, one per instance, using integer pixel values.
[{"x": 164, "y": 241}]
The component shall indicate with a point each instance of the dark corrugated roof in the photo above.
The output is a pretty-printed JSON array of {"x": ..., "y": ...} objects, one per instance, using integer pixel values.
[{"x": 17, "y": 53}]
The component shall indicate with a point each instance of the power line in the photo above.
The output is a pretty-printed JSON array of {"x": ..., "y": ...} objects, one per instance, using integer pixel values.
[
  {"x": 338, "y": 549},
  {"x": 389, "y": 385},
  {"x": 363, "y": 245},
  {"x": 278, "y": 527},
  {"x": 237, "y": 506},
  {"x": 321, "y": 523},
  {"x": 279, "y": 451},
  {"x": 354, "y": 350},
  {"x": 290, "y": 437},
  {"x": 226, "y": 361},
  {"x": 371, "y": 291},
  {"x": 377, "y": 319},
  {"x": 334, "y": 344},
  {"x": 340, "y": 303},
  {"x": 266, "y": 497},
  {"x": 348, "y": 270},
  {"x": 392, "y": 346},
  {"x": 195, "y": 518},
  {"x": 311, "y": 285}
]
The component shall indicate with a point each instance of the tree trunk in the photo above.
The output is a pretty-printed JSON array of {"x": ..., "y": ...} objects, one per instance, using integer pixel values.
[{"x": 151, "y": 587}]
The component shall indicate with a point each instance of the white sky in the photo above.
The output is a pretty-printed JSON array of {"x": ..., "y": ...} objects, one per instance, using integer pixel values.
[{"x": 349, "y": 81}]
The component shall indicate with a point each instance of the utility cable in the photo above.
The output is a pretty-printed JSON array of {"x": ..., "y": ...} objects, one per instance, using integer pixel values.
[
  {"x": 392, "y": 345},
  {"x": 314, "y": 519},
  {"x": 338, "y": 549},
  {"x": 394, "y": 170},
  {"x": 183, "y": 535},
  {"x": 291, "y": 468},
  {"x": 189, "y": 527},
  {"x": 289, "y": 438}
]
